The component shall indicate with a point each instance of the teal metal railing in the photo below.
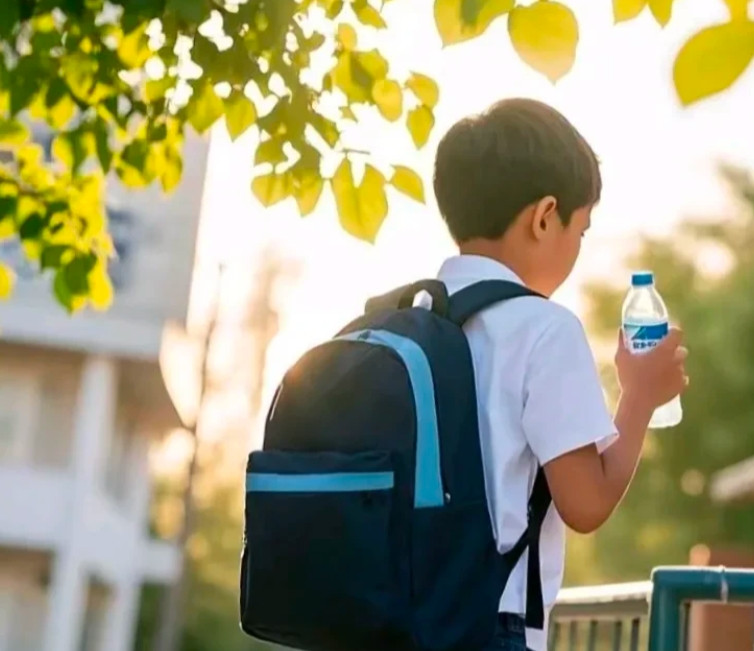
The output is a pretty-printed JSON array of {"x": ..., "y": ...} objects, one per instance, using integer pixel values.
[
  {"x": 651, "y": 615},
  {"x": 675, "y": 588}
]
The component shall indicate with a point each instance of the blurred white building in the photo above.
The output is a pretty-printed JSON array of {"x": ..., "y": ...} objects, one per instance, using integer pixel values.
[{"x": 81, "y": 398}]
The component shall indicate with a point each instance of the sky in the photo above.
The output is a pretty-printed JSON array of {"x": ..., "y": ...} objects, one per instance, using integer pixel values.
[{"x": 658, "y": 162}]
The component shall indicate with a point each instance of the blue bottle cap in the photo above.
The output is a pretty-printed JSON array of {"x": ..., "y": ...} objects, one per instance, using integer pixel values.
[{"x": 642, "y": 278}]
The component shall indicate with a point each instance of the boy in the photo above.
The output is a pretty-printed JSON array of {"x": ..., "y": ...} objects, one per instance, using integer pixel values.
[{"x": 516, "y": 186}]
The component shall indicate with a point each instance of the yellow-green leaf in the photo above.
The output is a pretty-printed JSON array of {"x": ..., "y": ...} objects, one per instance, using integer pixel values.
[
  {"x": 355, "y": 87},
  {"x": 272, "y": 188},
  {"x": 662, "y": 10},
  {"x": 361, "y": 210},
  {"x": 100, "y": 287},
  {"x": 372, "y": 202},
  {"x": 388, "y": 97},
  {"x": 545, "y": 36},
  {"x": 373, "y": 63},
  {"x": 204, "y": 107},
  {"x": 13, "y": 132},
  {"x": 347, "y": 36},
  {"x": 627, "y": 9},
  {"x": 307, "y": 194},
  {"x": 7, "y": 281},
  {"x": 133, "y": 49},
  {"x": 460, "y": 20},
  {"x": 425, "y": 89},
  {"x": 368, "y": 15},
  {"x": 408, "y": 182},
  {"x": 171, "y": 168},
  {"x": 420, "y": 122},
  {"x": 346, "y": 112},
  {"x": 739, "y": 9},
  {"x": 240, "y": 114},
  {"x": 712, "y": 59}
]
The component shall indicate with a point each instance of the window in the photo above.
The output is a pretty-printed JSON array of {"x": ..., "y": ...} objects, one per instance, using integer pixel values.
[{"x": 16, "y": 393}]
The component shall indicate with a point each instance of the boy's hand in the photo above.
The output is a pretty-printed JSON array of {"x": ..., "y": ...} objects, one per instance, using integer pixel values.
[{"x": 656, "y": 377}]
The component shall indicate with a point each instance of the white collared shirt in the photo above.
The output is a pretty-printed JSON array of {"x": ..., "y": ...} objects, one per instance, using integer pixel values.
[{"x": 539, "y": 397}]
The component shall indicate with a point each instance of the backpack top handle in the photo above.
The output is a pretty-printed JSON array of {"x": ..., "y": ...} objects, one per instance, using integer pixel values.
[{"x": 404, "y": 297}]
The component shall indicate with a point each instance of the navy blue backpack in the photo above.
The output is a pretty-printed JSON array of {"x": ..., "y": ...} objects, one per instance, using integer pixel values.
[{"x": 366, "y": 520}]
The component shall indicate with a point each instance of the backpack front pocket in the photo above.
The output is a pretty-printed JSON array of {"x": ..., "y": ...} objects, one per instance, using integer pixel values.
[{"x": 320, "y": 554}]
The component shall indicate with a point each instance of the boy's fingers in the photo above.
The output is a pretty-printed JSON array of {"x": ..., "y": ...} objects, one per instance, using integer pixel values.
[
  {"x": 673, "y": 340},
  {"x": 680, "y": 354}
]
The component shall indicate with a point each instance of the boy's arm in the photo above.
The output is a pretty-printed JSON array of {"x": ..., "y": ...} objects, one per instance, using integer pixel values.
[{"x": 587, "y": 485}]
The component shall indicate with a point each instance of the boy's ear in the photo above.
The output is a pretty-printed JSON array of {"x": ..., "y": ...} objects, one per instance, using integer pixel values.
[{"x": 544, "y": 215}]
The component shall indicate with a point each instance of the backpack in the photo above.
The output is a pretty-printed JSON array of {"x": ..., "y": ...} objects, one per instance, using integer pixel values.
[{"x": 366, "y": 520}]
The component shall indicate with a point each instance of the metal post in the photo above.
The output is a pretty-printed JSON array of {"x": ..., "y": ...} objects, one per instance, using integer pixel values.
[{"x": 675, "y": 587}]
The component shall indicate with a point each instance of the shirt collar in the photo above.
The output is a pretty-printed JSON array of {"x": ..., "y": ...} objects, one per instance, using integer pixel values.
[{"x": 477, "y": 267}]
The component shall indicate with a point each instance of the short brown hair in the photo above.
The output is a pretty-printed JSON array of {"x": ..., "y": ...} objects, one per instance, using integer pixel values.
[{"x": 490, "y": 166}]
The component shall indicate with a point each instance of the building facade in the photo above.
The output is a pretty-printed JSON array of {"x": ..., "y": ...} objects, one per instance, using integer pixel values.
[{"x": 82, "y": 398}]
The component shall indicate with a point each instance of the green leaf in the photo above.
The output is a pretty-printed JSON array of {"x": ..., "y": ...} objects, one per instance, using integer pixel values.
[
  {"x": 52, "y": 256},
  {"x": 368, "y": 15},
  {"x": 545, "y": 36},
  {"x": 420, "y": 122},
  {"x": 408, "y": 182},
  {"x": 425, "y": 89},
  {"x": 32, "y": 227},
  {"x": 7, "y": 281},
  {"x": 270, "y": 151},
  {"x": 361, "y": 210},
  {"x": 662, "y": 10},
  {"x": 712, "y": 59},
  {"x": 64, "y": 295},
  {"x": 461, "y": 20},
  {"x": 627, "y": 9},
  {"x": 8, "y": 208},
  {"x": 10, "y": 15},
  {"x": 76, "y": 273},
  {"x": 347, "y": 37},
  {"x": 308, "y": 192},
  {"x": 102, "y": 144},
  {"x": 270, "y": 189},
  {"x": 24, "y": 83},
  {"x": 204, "y": 107},
  {"x": 192, "y": 12},
  {"x": 13, "y": 132},
  {"x": 240, "y": 113},
  {"x": 388, "y": 97},
  {"x": 133, "y": 49}
]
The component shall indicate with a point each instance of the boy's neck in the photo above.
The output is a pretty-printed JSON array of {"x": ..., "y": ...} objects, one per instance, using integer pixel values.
[{"x": 498, "y": 251}]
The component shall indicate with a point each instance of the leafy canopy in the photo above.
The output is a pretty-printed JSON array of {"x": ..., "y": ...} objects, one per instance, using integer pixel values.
[{"x": 120, "y": 82}]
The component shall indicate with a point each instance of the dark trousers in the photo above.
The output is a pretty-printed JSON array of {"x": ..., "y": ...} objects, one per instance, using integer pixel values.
[{"x": 510, "y": 634}]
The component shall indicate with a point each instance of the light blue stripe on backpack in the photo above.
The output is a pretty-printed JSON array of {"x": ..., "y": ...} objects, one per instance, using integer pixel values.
[
  {"x": 428, "y": 489},
  {"x": 336, "y": 482}
]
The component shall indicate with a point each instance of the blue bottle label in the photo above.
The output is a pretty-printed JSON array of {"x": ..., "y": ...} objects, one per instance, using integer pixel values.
[{"x": 642, "y": 338}]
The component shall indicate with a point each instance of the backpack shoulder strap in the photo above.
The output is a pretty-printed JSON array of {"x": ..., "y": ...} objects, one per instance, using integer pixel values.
[
  {"x": 539, "y": 504},
  {"x": 467, "y": 302}
]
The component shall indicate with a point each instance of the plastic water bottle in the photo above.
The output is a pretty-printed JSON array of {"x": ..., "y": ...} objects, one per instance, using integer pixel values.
[{"x": 645, "y": 324}]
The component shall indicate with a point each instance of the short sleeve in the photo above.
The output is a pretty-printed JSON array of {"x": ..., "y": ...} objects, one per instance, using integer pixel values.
[{"x": 564, "y": 405}]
